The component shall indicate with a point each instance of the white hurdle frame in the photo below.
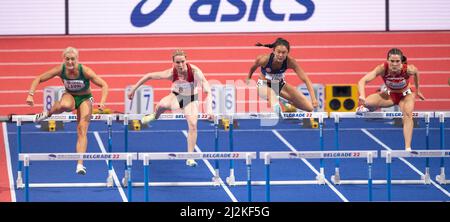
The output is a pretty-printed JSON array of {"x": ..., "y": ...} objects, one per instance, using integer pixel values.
[
  {"x": 268, "y": 156},
  {"x": 336, "y": 178},
  {"x": 442, "y": 115},
  {"x": 320, "y": 179},
  {"x": 26, "y": 158},
  {"x": 164, "y": 116},
  {"x": 415, "y": 154},
  {"x": 147, "y": 157},
  {"x": 67, "y": 118}
]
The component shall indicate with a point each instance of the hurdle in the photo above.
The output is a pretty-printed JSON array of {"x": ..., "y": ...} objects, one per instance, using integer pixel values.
[
  {"x": 147, "y": 157},
  {"x": 67, "y": 118},
  {"x": 166, "y": 116},
  {"x": 442, "y": 115},
  {"x": 336, "y": 178},
  {"x": 353, "y": 154},
  {"x": 26, "y": 158},
  {"x": 415, "y": 154},
  {"x": 320, "y": 179}
]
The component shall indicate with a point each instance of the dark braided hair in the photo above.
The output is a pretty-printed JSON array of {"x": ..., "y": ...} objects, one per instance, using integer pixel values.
[
  {"x": 279, "y": 41},
  {"x": 396, "y": 51}
]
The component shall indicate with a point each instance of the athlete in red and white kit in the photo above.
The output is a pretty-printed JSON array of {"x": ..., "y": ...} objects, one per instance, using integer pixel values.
[
  {"x": 185, "y": 78},
  {"x": 395, "y": 73}
]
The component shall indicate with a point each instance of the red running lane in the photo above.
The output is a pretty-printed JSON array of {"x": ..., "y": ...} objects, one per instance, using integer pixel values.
[
  {"x": 142, "y": 67},
  {"x": 317, "y": 52},
  {"x": 5, "y": 194},
  {"x": 250, "y": 53},
  {"x": 194, "y": 40}
]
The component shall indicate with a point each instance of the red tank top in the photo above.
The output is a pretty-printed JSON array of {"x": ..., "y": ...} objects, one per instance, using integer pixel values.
[
  {"x": 182, "y": 86},
  {"x": 190, "y": 77},
  {"x": 396, "y": 81}
]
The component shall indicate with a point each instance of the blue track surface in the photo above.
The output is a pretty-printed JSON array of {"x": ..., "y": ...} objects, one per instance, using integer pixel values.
[{"x": 167, "y": 136}]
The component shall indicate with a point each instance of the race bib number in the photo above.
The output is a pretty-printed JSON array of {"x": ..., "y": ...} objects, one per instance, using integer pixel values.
[
  {"x": 275, "y": 76},
  {"x": 74, "y": 85}
]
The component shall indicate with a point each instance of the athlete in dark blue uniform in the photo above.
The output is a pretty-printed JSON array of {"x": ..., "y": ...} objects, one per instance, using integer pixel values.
[{"x": 271, "y": 82}]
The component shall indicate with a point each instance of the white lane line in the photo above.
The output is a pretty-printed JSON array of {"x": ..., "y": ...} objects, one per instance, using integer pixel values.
[
  {"x": 12, "y": 189},
  {"x": 405, "y": 161},
  {"x": 116, "y": 179},
  {"x": 109, "y": 49},
  {"x": 139, "y": 75},
  {"x": 343, "y": 198},
  {"x": 216, "y": 61},
  {"x": 211, "y": 169}
]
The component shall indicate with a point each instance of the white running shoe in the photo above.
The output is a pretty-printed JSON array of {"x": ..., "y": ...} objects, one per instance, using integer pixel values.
[
  {"x": 40, "y": 117},
  {"x": 148, "y": 118},
  {"x": 81, "y": 169},
  {"x": 277, "y": 110},
  {"x": 361, "y": 110},
  {"x": 411, "y": 151},
  {"x": 191, "y": 162}
]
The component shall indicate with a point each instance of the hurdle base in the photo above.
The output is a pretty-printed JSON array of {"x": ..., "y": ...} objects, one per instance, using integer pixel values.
[
  {"x": 216, "y": 178},
  {"x": 109, "y": 181},
  {"x": 125, "y": 181},
  {"x": 19, "y": 181},
  {"x": 336, "y": 179},
  {"x": 441, "y": 179},
  {"x": 321, "y": 177},
  {"x": 426, "y": 178},
  {"x": 231, "y": 180},
  {"x": 20, "y": 186}
]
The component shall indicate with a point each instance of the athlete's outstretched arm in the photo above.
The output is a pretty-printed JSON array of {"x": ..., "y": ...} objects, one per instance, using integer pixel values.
[
  {"x": 98, "y": 81},
  {"x": 414, "y": 71},
  {"x": 41, "y": 78},
  {"x": 366, "y": 79},
  {"x": 200, "y": 77},
  {"x": 260, "y": 61},
  {"x": 292, "y": 63},
  {"x": 166, "y": 74}
]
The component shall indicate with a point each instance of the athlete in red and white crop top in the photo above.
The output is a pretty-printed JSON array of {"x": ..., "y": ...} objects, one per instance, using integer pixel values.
[
  {"x": 185, "y": 78},
  {"x": 396, "y": 82},
  {"x": 395, "y": 73}
]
